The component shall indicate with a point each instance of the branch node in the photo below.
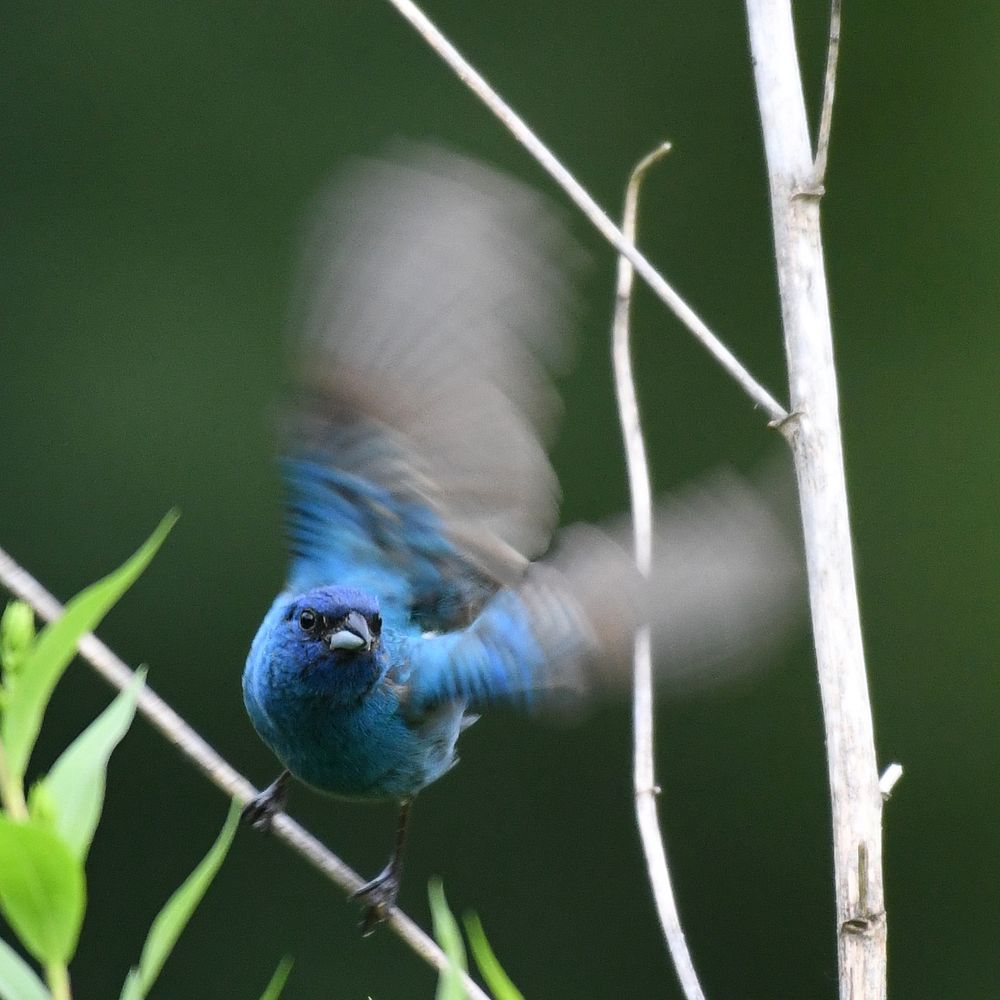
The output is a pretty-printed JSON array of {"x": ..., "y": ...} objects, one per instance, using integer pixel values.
[
  {"x": 887, "y": 782},
  {"x": 812, "y": 190},
  {"x": 856, "y": 925},
  {"x": 787, "y": 425},
  {"x": 863, "y": 924}
]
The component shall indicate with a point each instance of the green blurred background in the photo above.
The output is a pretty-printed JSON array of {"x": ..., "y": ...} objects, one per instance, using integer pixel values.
[{"x": 157, "y": 161}]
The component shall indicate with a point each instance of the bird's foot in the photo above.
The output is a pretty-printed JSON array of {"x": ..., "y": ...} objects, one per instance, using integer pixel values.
[
  {"x": 260, "y": 811},
  {"x": 379, "y": 896}
]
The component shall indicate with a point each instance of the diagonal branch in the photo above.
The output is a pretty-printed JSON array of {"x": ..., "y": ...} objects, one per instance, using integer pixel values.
[
  {"x": 600, "y": 219},
  {"x": 225, "y": 777},
  {"x": 645, "y": 787}
]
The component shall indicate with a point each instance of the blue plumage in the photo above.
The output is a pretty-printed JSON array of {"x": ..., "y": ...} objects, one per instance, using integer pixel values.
[{"x": 337, "y": 718}]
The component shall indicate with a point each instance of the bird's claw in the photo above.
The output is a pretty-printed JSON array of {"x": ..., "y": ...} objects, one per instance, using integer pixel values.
[
  {"x": 260, "y": 811},
  {"x": 379, "y": 896}
]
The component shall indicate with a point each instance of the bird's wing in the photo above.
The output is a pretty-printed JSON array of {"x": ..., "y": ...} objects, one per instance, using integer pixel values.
[
  {"x": 437, "y": 302},
  {"x": 724, "y": 594},
  {"x": 528, "y": 644}
]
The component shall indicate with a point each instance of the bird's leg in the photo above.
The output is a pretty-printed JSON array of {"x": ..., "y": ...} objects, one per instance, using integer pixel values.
[
  {"x": 260, "y": 811},
  {"x": 380, "y": 893}
]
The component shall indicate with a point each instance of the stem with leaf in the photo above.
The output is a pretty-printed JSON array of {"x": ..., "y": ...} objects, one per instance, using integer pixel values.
[
  {"x": 11, "y": 789},
  {"x": 57, "y": 977}
]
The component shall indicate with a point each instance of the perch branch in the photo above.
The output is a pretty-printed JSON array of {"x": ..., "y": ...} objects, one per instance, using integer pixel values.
[
  {"x": 644, "y": 776},
  {"x": 517, "y": 126},
  {"x": 813, "y": 431},
  {"x": 225, "y": 777}
]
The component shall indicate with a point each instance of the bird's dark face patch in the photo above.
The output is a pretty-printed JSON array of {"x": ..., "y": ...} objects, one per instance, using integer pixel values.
[
  {"x": 334, "y": 627},
  {"x": 350, "y": 631}
]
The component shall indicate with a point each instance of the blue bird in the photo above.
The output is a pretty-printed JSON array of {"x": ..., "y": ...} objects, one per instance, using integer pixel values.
[
  {"x": 419, "y": 492},
  {"x": 418, "y": 488}
]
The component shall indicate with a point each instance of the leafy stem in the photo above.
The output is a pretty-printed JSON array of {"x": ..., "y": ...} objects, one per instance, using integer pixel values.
[
  {"x": 11, "y": 790},
  {"x": 57, "y": 976}
]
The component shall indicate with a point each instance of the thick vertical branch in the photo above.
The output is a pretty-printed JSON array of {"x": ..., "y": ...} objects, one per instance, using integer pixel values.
[{"x": 813, "y": 430}]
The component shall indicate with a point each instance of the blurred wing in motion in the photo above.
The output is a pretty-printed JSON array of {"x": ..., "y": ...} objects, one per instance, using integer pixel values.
[
  {"x": 726, "y": 591},
  {"x": 728, "y": 584},
  {"x": 437, "y": 300}
]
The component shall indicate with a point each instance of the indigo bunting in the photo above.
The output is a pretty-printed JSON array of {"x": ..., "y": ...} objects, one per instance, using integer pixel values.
[{"x": 419, "y": 494}]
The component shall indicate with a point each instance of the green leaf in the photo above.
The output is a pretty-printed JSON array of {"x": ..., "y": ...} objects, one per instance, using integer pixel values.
[
  {"x": 55, "y": 647},
  {"x": 17, "y": 633},
  {"x": 173, "y": 918},
  {"x": 42, "y": 806},
  {"x": 75, "y": 785},
  {"x": 42, "y": 890},
  {"x": 278, "y": 980},
  {"x": 18, "y": 980},
  {"x": 486, "y": 961},
  {"x": 449, "y": 937}
]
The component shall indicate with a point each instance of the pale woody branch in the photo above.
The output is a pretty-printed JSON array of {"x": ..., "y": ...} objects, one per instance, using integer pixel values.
[
  {"x": 813, "y": 431},
  {"x": 644, "y": 778}
]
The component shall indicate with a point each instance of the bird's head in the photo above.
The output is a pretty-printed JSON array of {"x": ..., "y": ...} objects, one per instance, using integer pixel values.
[
  {"x": 340, "y": 621},
  {"x": 326, "y": 639}
]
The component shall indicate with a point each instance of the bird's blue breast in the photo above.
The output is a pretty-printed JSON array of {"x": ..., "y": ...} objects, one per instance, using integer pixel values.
[{"x": 366, "y": 747}]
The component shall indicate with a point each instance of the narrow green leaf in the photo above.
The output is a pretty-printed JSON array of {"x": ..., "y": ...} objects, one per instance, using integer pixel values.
[
  {"x": 173, "y": 918},
  {"x": 55, "y": 647},
  {"x": 18, "y": 980},
  {"x": 75, "y": 785},
  {"x": 278, "y": 980},
  {"x": 42, "y": 891},
  {"x": 449, "y": 937},
  {"x": 486, "y": 961}
]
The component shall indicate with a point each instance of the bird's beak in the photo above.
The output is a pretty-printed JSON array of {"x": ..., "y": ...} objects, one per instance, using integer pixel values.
[{"x": 354, "y": 634}]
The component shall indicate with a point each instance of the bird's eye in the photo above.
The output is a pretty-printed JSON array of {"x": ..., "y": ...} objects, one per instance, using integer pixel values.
[
  {"x": 308, "y": 620},
  {"x": 376, "y": 624}
]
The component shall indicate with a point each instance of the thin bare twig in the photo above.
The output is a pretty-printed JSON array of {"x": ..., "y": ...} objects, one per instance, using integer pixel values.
[
  {"x": 225, "y": 777},
  {"x": 813, "y": 431},
  {"x": 644, "y": 775},
  {"x": 600, "y": 219},
  {"x": 829, "y": 86}
]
